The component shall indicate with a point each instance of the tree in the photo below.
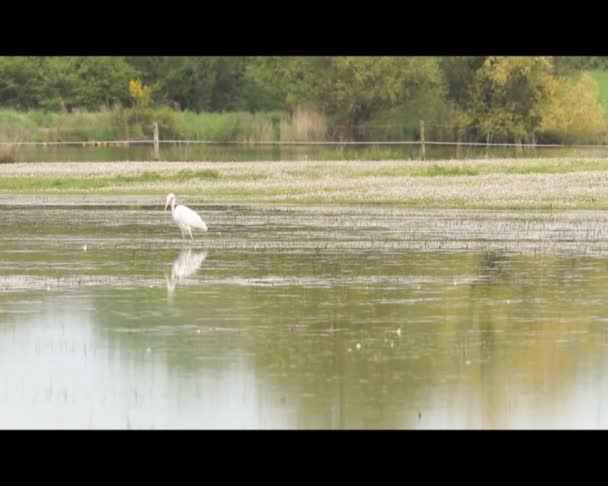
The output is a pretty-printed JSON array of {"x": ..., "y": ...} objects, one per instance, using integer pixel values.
[
  {"x": 261, "y": 88},
  {"x": 572, "y": 113},
  {"x": 228, "y": 76},
  {"x": 459, "y": 73},
  {"x": 101, "y": 81},
  {"x": 56, "y": 83},
  {"x": 63, "y": 82},
  {"x": 20, "y": 78},
  {"x": 194, "y": 83},
  {"x": 352, "y": 90},
  {"x": 572, "y": 65},
  {"x": 508, "y": 94}
]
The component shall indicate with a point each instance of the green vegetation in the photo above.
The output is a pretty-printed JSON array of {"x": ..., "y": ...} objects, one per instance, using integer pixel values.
[
  {"x": 27, "y": 183},
  {"x": 118, "y": 124},
  {"x": 506, "y": 183},
  {"x": 475, "y": 98},
  {"x": 601, "y": 78},
  {"x": 439, "y": 170}
]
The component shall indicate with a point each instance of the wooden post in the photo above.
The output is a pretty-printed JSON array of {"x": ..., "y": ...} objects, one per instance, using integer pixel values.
[
  {"x": 488, "y": 145},
  {"x": 518, "y": 147},
  {"x": 422, "y": 147},
  {"x": 156, "y": 149}
]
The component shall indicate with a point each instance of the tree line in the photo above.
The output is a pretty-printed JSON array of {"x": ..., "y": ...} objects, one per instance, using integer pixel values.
[{"x": 481, "y": 98}]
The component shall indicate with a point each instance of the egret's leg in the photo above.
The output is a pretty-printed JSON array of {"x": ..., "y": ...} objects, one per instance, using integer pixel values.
[{"x": 190, "y": 230}]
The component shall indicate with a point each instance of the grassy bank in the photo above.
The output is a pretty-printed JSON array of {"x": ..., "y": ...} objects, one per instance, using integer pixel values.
[
  {"x": 502, "y": 183},
  {"x": 302, "y": 125},
  {"x": 601, "y": 77},
  {"x": 127, "y": 124}
]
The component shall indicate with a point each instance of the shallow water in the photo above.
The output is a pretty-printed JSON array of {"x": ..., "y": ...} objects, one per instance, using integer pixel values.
[
  {"x": 244, "y": 152},
  {"x": 300, "y": 317}
]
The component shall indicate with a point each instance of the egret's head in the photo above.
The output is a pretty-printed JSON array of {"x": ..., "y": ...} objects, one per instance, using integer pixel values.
[{"x": 170, "y": 199}]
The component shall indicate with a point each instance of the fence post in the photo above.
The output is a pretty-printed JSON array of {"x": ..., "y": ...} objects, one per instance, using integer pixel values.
[
  {"x": 518, "y": 147},
  {"x": 156, "y": 148},
  {"x": 488, "y": 145},
  {"x": 422, "y": 147}
]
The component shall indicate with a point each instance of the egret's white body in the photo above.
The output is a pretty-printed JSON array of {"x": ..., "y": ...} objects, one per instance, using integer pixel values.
[{"x": 184, "y": 217}]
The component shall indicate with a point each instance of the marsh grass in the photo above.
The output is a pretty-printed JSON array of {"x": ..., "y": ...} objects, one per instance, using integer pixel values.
[
  {"x": 92, "y": 183},
  {"x": 116, "y": 124},
  {"x": 304, "y": 124},
  {"x": 8, "y": 153},
  {"x": 440, "y": 170},
  {"x": 8, "y": 149},
  {"x": 472, "y": 184},
  {"x": 559, "y": 167}
]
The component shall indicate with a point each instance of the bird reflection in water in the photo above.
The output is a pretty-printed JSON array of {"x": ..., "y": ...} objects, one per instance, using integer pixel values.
[{"x": 186, "y": 264}]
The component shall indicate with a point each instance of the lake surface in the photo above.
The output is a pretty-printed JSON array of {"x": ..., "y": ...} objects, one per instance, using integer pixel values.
[
  {"x": 247, "y": 153},
  {"x": 300, "y": 317}
]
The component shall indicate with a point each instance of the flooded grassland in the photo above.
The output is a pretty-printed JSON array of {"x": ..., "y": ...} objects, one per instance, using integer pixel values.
[{"x": 290, "y": 316}]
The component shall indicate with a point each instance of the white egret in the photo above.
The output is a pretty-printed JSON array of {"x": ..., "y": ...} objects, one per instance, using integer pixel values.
[{"x": 184, "y": 217}]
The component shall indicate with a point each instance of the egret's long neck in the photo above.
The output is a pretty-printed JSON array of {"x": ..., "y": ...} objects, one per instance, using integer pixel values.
[{"x": 172, "y": 204}]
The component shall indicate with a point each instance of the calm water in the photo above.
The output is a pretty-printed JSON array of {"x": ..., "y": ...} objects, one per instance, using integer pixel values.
[
  {"x": 301, "y": 317},
  {"x": 227, "y": 153}
]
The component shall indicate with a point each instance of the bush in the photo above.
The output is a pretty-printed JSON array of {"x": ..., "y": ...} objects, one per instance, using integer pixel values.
[
  {"x": 8, "y": 153},
  {"x": 170, "y": 123}
]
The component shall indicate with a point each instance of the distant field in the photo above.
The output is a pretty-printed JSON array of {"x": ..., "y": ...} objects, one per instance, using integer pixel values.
[
  {"x": 569, "y": 183},
  {"x": 602, "y": 79}
]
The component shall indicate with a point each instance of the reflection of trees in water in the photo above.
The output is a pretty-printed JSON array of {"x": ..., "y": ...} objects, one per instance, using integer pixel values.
[
  {"x": 480, "y": 342},
  {"x": 523, "y": 317}
]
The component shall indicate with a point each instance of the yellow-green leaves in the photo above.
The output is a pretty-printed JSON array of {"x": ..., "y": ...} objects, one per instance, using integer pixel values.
[
  {"x": 573, "y": 112},
  {"x": 139, "y": 93}
]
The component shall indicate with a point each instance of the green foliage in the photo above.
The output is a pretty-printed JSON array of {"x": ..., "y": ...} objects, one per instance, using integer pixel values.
[
  {"x": 228, "y": 126},
  {"x": 184, "y": 175},
  {"x": 570, "y": 65},
  {"x": 573, "y": 112},
  {"x": 507, "y": 96},
  {"x": 352, "y": 90},
  {"x": 125, "y": 123},
  {"x": 61, "y": 83},
  {"x": 101, "y": 81},
  {"x": 170, "y": 123},
  {"x": 459, "y": 73},
  {"x": 601, "y": 78},
  {"x": 41, "y": 118},
  {"x": 194, "y": 83},
  {"x": 80, "y": 126},
  {"x": 92, "y": 183},
  {"x": 21, "y": 81},
  {"x": 220, "y": 126},
  {"x": 261, "y": 90},
  {"x": 471, "y": 98},
  {"x": 439, "y": 170},
  {"x": 17, "y": 126}
]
